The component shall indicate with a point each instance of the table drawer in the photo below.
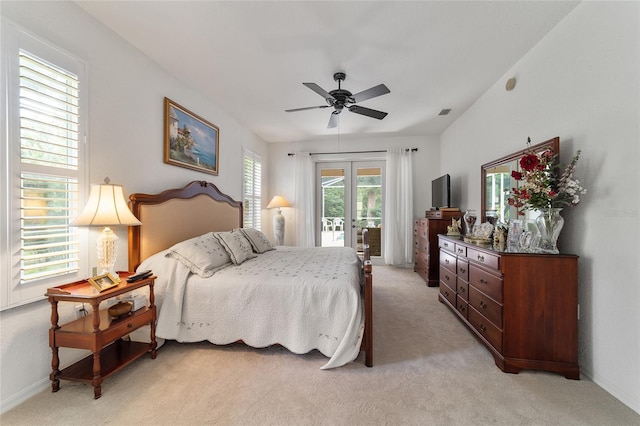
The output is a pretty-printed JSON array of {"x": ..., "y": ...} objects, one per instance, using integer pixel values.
[
  {"x": 489, "y": 331},
  {"x": 490, "y": 260},
  {"x": 448, "y": 293},
  {"x": 447, "y": 277},
  {"x": 127, "y": 325},
  {"x": 486, "y": 306},
  {"x": 463, "y": 289},
  {"x": 448, "y": 261},
  {"x": 485, "y": 282}
]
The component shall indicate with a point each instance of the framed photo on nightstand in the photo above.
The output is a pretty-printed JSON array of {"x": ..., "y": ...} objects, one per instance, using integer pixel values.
[{"x": 104, "y": 282}]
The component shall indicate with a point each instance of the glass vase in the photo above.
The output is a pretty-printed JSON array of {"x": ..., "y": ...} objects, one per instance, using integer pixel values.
[
  {"x": 549, "y": 224},
  {"x": 470, "y": 218}
]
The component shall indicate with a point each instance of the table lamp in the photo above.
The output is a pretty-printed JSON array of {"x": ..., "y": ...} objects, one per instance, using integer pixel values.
[
  {"x": 106, "y": 207},
  {"x": 278, "y": 202}
]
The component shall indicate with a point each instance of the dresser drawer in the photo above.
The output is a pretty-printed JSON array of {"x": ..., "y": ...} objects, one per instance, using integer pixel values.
[
  {"x": 463, "y": 307},
  {"x": 448, "y": 293},
  {"x": 489, "y": 331},
  {"x": 485, "y": 282},
  {"x": 463, "y": 270},
  {"x": 448, "y": 277},
  {"x": 486, "y": 306},
  {"x": 463, "y": 289},
  {"x": 447, "y": 245},
  {"x": 448, "y": 261},
  {"x": 420, "y": 256},
  {"x": 421, "y": 244},
  {"x": 490, "y": 260},
  {"x": 461, "y": 250}
]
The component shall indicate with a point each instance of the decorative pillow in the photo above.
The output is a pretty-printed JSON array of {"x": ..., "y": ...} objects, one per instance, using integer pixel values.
[
  {"x": 257, "y": 239},
  {"x": 236, "y": 245},
  {"x": 203, "y": 255}
]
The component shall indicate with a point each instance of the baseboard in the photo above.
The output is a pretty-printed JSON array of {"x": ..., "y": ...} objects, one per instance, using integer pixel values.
[
  {"x": 26, "y": 393},
  {"x": 622, "y": 396}
]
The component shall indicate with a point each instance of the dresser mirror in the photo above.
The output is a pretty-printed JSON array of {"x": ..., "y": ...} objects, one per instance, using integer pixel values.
[{"x": 496, "y": 181}]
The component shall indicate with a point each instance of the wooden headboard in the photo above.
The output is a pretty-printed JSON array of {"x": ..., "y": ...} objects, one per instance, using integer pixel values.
[{"x": 178, "y": 214}]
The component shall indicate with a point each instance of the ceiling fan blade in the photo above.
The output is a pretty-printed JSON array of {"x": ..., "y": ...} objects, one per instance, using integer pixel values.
[
  {"x": 368, "y": 112},
  {"x": 378, "y": 90},
  {"x": 319, "y": 90},
  {"x": 306, "y": 108},
  {"x": 333, "y": 120}
]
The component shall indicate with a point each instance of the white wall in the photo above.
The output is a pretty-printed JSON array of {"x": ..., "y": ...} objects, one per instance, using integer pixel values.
[
  {"x": 426, "y": 167},
  {"x": 126, "y": 92},
  {"x": 580, "y": 83}
]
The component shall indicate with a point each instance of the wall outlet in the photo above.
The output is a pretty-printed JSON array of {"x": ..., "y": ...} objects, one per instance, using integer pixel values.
[{"x": 81, "y": 311}]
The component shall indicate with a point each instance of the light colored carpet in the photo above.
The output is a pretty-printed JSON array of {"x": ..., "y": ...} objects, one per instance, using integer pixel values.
[{"x": 428, "y": 369}]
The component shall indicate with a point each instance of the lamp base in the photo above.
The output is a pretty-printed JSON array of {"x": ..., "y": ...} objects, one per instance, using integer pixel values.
[
  {"x": 278, "y": 228},
  {"x": 107, "y": 246}
]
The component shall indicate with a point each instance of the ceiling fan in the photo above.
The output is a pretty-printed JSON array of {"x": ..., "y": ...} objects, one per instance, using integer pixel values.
[{"x": 341, "y": 98}]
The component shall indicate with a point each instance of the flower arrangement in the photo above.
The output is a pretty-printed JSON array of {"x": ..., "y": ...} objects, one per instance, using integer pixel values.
[{"x": 541, "y": 184}]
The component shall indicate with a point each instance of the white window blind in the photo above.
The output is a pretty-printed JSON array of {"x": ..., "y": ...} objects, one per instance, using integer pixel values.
[
  {"x": 43, "y": 170},
  {"x": 49, "y": 143},
  {"x": 252, "y": 189}
]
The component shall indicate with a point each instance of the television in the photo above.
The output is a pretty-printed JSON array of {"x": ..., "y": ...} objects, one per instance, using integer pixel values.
[{"x": 441, "y": 192}]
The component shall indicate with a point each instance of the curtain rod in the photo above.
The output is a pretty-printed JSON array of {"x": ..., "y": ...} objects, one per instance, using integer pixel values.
[{"x": 291, "y": 154}]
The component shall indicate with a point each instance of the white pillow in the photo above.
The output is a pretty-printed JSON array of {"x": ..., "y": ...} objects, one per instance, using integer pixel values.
[
  {"x": 203, "y": 255},
  {"x": 257, "y": 239},
  {"x": 236, "y": 245}
]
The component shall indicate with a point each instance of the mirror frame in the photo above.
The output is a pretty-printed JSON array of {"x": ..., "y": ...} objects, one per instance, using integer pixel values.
[{"x": 552, "y": 144}]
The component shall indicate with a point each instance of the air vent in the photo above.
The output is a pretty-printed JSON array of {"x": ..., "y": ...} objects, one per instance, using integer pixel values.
[{"x": 445, "y": 111}]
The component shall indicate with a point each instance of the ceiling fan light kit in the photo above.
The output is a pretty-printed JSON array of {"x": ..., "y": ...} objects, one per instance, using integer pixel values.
[{"x": 340, "y": 99}]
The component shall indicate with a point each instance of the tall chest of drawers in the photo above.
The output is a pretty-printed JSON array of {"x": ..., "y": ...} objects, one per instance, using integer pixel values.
[
  {"x": 522, "y": 306},
  {"x": 425, "y": 243}
]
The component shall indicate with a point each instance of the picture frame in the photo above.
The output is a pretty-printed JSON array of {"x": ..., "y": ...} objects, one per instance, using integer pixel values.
[
  {"x": 190, "y": 141},
  {"x": 104, "y": 282}
]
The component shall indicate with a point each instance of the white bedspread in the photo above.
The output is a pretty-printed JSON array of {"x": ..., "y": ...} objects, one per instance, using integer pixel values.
[{"x": 301, "y": 298}]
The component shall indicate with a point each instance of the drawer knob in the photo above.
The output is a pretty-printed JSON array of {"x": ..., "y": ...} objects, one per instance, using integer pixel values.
[
  {"x": 462, "y": 290},
  {"x": 446, "y": 261},
  {"x": 483, "y": 328},
  {"x": 483, "y": 305},
  {"x": 480, "y": 258},
  {"x": 460, "y": 251},
  {"x": 463, "y": 270},
  {"x": 446, "y": 244},
  {"x": 446, "y": 277},
  {"x": 130, "y": 325},
  {"x": 483, "y": 281}
]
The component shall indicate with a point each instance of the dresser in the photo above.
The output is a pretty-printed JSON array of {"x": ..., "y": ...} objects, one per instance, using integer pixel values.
[
  {"x": 425, "y": 242},
  {"x": 522, "y": 306}
]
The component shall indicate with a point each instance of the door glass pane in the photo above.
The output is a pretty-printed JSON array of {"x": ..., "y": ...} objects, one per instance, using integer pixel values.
[
  {"x": 332, "y": 207},
  {"x": 369, "y": 207}
]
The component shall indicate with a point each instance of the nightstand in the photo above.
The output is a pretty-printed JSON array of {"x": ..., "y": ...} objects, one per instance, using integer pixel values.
[{"x": 98, "y": 332}]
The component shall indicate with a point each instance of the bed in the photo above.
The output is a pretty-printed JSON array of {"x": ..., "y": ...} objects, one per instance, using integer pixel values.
[{"x": 300, "y": 298}]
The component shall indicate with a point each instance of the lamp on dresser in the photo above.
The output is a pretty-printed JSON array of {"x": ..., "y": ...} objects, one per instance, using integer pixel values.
[
  {"x": 278, "y": 202},
  {"x": 106, "y": 207}
]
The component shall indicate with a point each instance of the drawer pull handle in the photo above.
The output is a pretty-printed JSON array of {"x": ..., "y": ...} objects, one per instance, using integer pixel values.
[
  {"x": 483, "y": 328},
  {"x": 480, "y": 258},
  {"x": 462, "y": 290},
  {"x": 446, "y": 293},
  {"x": 483, "y": 305},
  {"x": 483, "y": 281},
  {"x": 130, "y": 325},
  {"x": 446, "y": 277},
  {"x": 446, "y": 261},
  {"x": 463, "y": 270},
  {"x": 446, "y": 244},
  {"x": 460, "y": 251}
]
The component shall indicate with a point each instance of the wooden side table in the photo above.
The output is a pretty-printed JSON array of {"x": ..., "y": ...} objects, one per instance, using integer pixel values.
[{"x": 99, "y": 332}]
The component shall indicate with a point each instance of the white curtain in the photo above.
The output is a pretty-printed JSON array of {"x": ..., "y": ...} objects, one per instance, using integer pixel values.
[
  {"x": 398, "y": 212},
  {"x": 305, "y": 236}
]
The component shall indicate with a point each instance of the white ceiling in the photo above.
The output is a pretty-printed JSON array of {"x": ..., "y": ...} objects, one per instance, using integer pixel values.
[{"x": 251, "y": 58}]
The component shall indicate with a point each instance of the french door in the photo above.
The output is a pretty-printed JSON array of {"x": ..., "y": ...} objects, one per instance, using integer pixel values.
[{"x": 349, "y": 197}]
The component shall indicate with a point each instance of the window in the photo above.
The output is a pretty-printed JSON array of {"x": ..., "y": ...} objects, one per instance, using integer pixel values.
[
  {"x": 44, "y": 121},
  {"x": 251, "y": 189}
]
